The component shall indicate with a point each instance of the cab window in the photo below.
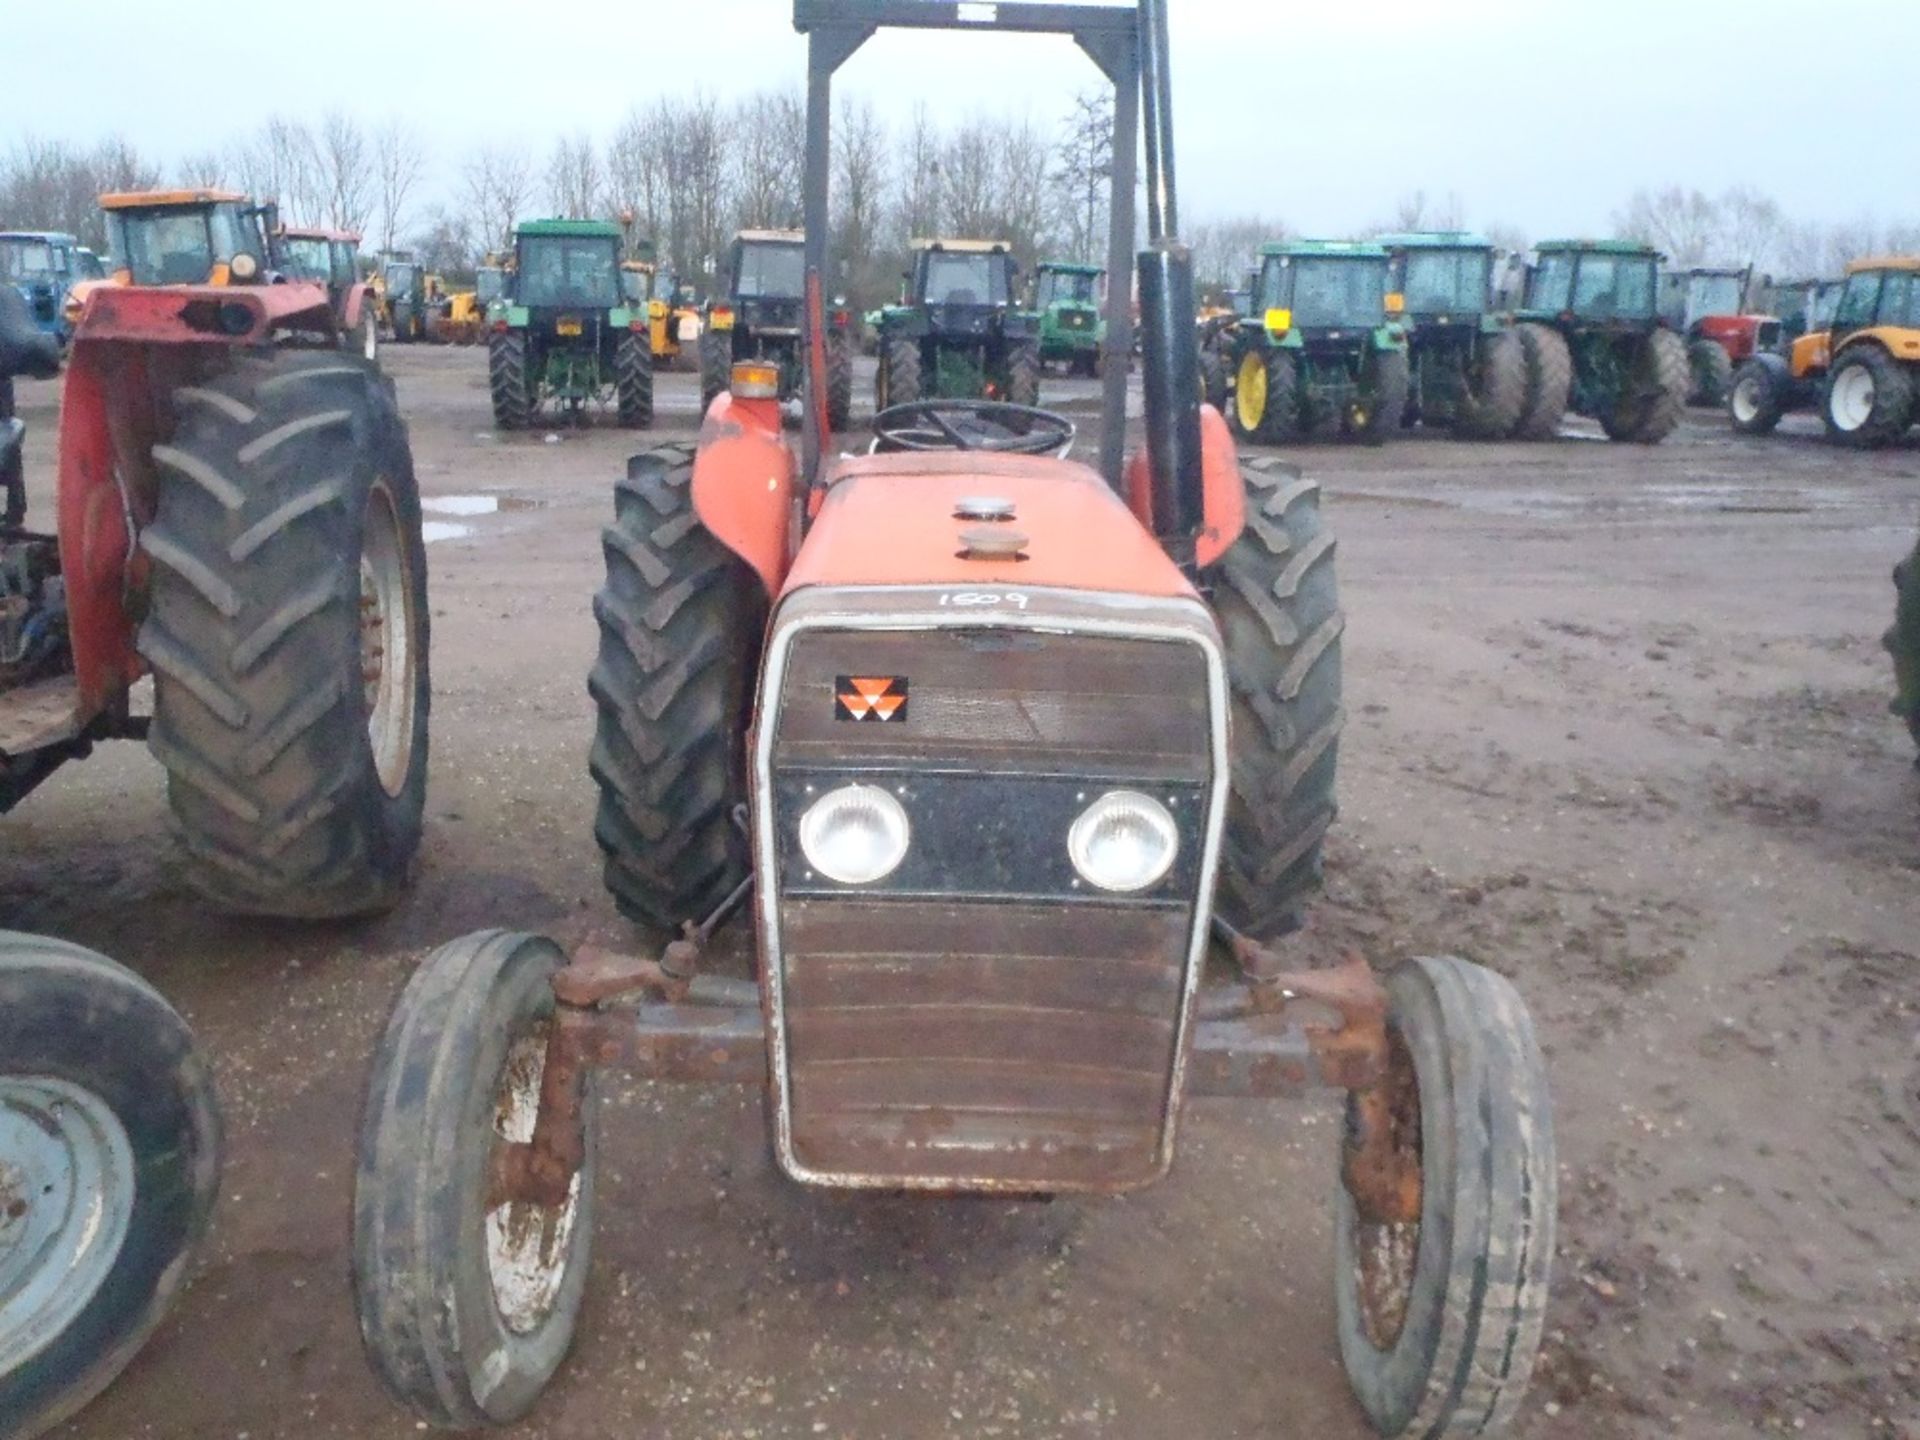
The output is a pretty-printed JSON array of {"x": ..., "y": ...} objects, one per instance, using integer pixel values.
[{"x": 1859, "y": 302}]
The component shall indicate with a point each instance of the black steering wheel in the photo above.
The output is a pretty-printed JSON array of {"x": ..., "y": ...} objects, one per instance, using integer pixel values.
[{"x": 971, "y": 425}]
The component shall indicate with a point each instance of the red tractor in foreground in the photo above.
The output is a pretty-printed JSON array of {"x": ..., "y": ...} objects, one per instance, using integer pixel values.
[
  {"x": 238, "y": 519},
  {"x": 1000, "y": 754}
]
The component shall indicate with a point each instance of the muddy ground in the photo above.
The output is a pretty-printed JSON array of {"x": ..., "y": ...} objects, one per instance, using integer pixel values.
[{"x": 1617, "y": 727}]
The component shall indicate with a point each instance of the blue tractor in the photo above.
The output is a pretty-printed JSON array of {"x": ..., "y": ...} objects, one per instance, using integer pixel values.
[{"x": 43, "y": 265}]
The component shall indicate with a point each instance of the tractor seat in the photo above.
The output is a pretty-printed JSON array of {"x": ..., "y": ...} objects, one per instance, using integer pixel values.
[{"x": 25, "y": 349}]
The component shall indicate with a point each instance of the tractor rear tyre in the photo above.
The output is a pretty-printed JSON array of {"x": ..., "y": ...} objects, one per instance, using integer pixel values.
[
  {"x": 1903, "y": 642},
  {"x": 1278, "y": 604},
  {"x": 1712, "y": 371},
  {"x": 1549, "y": 382},
  {"x": 509, "y": 381},
  {"x": 633, "y": 381},
  {"x": 109, "y": 1164},
  {"x": 1023, "y": 375},
  {"x": 1869, "y": 399},
  {"x": 1213, "y": 378},
  {"x": 1493, "y": 389},
  {"x": 287, "y": 633},
  {"x": 898, "y": 382},
  {"x": 1384, "y": 403},
  {"x": 716, "y": 365},
  {"x": 680, "y": 619},
  {"x": 1439, "y": 1318},
  {"x": 467, "y": 1302},
  {"x": 1757, "y": 398},
  {"x": 1266, "y": 398},
  {"x": 839, "y": 381},
  {"x": 1655, "y": 395}
]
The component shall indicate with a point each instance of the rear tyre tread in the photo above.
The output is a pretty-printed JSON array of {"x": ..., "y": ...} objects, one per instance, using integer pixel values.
[
  {"x": 1549, "y": 382},
  {"x": 633, "y": 381}
]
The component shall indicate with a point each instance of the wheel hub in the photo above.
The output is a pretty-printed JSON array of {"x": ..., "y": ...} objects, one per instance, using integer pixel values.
[
  {"x": 1250, "y": 392},
  {"x": 1853, "y": 395},
  {"x": 1746, "y": 399},
  {"x": 1382, "y": 1174},
  {"x": 67, "y": 1191}
]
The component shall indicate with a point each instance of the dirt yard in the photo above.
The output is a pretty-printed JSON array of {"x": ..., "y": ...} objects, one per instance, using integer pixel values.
[{"x": 1617, "y": 727}]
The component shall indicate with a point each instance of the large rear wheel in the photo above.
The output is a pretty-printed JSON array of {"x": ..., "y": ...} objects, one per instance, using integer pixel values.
[
  {"x": 1266, "y": 397},
  {"x": 1653, "y": 396},
  {"x": 839, "y": 380},
  {"x": 509, "y": 380},
  {"x": 1493, "y": 388},
  {"x": 467, "y": 1302},
  {"x": 287, "y": 632},
  {"x": 1903, "y": 641},
  {"x": 1023, "y": 375},
  {"x": 1383, "y": 398},
  {"x": 716, "y": 365},
  {"x": 1279, "y": 610},
  {"x": 1440, "y": 1317},
  {"x": 109, "y": 1164},
  {"x": 1549, "y": 382},
  {"x": 1712, "y": 371},
  {"x": 1757, "y": 397},
  {"x": 898, "y": 380},
  {"x": 633, "y": 380},
  {"x": 680, "y": 619}
]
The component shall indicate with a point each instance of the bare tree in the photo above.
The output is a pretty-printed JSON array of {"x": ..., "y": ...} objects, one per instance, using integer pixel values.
[
  {"x": 1225, "y": 250},
  {"x": 917, "y": 202},
  {"x": 636, "y": 178},
  {"x": 447, "y": 245},
  {"x": 347, "y": 171},
  {"x": 281, "y": 164},
  {"x": 499, "y": 186},
  {"x": 1683, "y": 223},
  {"x": 573, "y": 178},
  {"x": 1083, "y": 172},
  {"x": 399, "y": 160},
  {"x": 859, "y": 180},
  {"x": 50, "y": 185},
  {"x": 769, "y": 145},
  {"x": 696, "y": 149},
  {"x": 204, "y": 170}
]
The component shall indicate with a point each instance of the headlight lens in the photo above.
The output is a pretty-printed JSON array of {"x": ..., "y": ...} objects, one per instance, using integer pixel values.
[
  {"x": 855, "y": 835},
  {"x": 1124, "y": 841},
  {"x": 244, "y": 266}
]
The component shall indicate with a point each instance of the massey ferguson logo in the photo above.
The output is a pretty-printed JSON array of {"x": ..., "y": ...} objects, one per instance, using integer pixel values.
[{"x": 870, "y": 697}]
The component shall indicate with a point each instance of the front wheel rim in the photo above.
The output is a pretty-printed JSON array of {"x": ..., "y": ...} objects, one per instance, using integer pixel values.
[
  {"x": 1250, "y": 392},
  {"x": 387, "y": 656},
  {"x": 67, "y": 1191},
  {"x": 528, "y": 1245},
  {"x": 1746, "y": 400},
  {"x": 1853, "y": 395}
]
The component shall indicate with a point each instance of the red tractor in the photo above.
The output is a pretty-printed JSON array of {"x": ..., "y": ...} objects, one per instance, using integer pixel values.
[
  {"x": 332, "y": 258},
  {"x": 1001, "y": 754},
  {"x": 1708, "y": 306},
  {"x": 237, "y": 517}
]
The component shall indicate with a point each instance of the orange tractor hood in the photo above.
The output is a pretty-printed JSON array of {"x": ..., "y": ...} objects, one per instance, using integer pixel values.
[{"x": 891, "y": 520}]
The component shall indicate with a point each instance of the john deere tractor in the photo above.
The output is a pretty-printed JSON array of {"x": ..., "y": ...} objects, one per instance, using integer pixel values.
[
  {"x": 564, "y": 333},
  {"x": 1469, "y": 369},
  {"x": 756, "y": 316},
  {"x": 1863, "y": 371},
  {"x": 1068, "y": 299},
  {"x": 957, "y": 334},
  {"x": 1596, "y": 344},
  {"x": 1319, "y": 354}
]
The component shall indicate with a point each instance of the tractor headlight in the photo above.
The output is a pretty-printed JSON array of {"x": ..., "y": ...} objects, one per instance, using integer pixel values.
[
  {"x": 244, "y": 266},
  {"x": 856, "y": 834},
  {"x": 1124, "y": 841}
]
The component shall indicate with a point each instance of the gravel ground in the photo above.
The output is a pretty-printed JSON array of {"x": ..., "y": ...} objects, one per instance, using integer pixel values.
[{"x": 1617, "y": 728}]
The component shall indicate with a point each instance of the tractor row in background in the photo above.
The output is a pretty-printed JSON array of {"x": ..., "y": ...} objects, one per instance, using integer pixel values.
[{"x": 238, "y": 520}]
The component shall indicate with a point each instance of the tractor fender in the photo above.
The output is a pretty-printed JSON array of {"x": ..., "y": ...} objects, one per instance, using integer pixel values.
[
  {"x": 1776, "y": 366},
  {"x": 743, "y": 484},
  {"x": 1900, "y": 342},
  {"x": 1223, "y": 496},
  {"x": 356, "y": 300}
]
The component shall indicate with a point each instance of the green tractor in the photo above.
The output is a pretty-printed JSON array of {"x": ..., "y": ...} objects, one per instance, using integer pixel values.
[
  {"x": 1319, "y": 354},
  {"x": 1069, "y": 299},
  {"x": 755, "y": 314},
  {"x": 1469, "y": 367},
  {"x": 1596, "y": 344},
  {"x": 956, "y": 334},
  {"x": 563, "y": 331},
  {"x": 403, "y": 283}
]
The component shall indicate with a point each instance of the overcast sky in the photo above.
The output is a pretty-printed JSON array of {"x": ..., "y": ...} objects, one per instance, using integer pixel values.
[{"x": 1543, "y": 114}]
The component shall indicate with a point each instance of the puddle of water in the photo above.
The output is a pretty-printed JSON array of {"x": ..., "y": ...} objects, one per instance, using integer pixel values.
[
  {"x": 477, "y": 504},
  {"x": 432, "y": 530}
]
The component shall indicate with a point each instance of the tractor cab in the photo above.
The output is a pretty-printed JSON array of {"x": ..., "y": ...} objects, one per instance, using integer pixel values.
[
  {"x": 957, "y": 331},
  {"x": 1439, "y": 277},
  {"x": 490, "y": 283},
  {"x": 966, "y": 281},
  {"x": 1068, "y": 298},
  {"x": 1688, "y": 297},
  {"x": 1321, "y": 289},
  {"x": 331, "y": 258},
  {"x": 1609, "y": 283},
  {"x": 1708, "y": 305},
  {"x": 186, "y": 237},
  {"x": 43, "y": 266},
  {"x": 755, "y": 313},
  {"x": 762, "y": 283}
]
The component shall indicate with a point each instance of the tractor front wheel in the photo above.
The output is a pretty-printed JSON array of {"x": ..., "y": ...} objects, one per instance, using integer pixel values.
[
  {"x": 287, "y": 632},
  {"x": 109, "y": 1164},
  {"x": 1440, "y": 1316},
  {"x": 1757, "y": 398},
  {"x": 467, "y": 1300},
  {"x": 1654, "y": 396},
  {"x": 839, "y": 381},
  {"x": 1903, "y": 642},
  {"x": 898, "y": 381},
  {"x": 1549, "y": 382},
  {"x": 1023, "y": 375},
  {"x": 509, "y": 380},
  {"x": 679, "y": 618},
  {"x": 1213, "y": 378},
  {"x": 1712, "y": 371},
  {"x": 716, "y": 365},
  {"x": 1493, "y": 389},
  {"x": 1266, "y": 397},
  {"x": 1279, "y": 610},
  {"x": 633, "y": 380},
  {"x": 1870, "y": 399},
  {"x": 1377, "y": 414}
]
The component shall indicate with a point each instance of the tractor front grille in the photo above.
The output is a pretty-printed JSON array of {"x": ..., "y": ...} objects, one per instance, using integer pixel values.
[{"x": 981, "y": 1019}]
